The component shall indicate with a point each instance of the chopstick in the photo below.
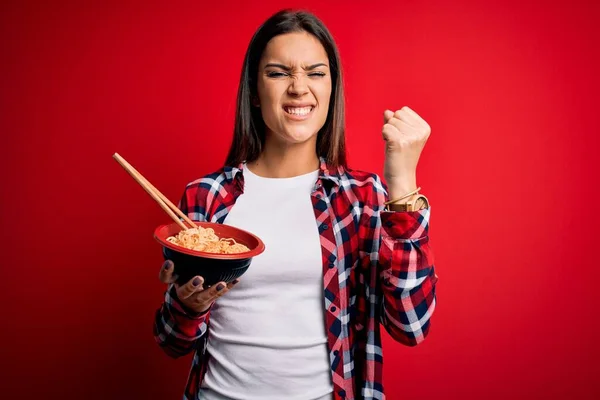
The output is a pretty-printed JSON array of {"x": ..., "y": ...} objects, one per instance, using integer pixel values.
[{"x": 170, "y": 208}]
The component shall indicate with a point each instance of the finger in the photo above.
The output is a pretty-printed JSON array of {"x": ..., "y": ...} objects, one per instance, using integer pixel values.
[
  {"x": 194, "y": 285},
  {"x": 413, "y": 113},
  {"x": 214, "y": 292},
  {"x": 392, "y": 135},
  {"x": 233, "y": 283},
  {"x": 416, "y": 118},
  {"x": 389, "y": 131},
  {"x": 387, "y": 114},
  {"x": 403, "y": 127},
  {"x": 166, "y": 272},
  {"x": 203, "y": 300},
  {"x": 404, "y": 115}
]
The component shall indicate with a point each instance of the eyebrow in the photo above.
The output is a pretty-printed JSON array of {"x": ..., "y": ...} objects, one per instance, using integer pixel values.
[{"x": 287, "y": 68}]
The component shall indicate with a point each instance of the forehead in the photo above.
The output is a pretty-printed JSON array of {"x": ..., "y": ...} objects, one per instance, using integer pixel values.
[{"x": 294, "y": 48}]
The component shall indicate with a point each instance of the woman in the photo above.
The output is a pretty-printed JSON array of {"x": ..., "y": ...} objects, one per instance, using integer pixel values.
[{"x": 304, "y": 322}]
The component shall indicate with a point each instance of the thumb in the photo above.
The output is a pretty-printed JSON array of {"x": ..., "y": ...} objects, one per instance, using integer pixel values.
[
  {"x": 166, "y": 272},
  {"x": 387, "y": 115}
]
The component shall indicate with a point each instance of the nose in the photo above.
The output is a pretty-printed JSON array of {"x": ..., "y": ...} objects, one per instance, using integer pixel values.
[{"x": 298, "y": 86}]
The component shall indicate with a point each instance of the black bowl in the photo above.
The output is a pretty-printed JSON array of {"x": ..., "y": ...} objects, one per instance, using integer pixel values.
[{"x": 214, "y": 268}]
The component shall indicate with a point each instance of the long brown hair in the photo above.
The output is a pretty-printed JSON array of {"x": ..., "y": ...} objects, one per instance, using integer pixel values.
[{"x": 249, "y": 131}]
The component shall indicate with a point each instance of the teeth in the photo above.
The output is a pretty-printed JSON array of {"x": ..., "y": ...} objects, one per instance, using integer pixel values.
[{"x": 298, "y": 110}]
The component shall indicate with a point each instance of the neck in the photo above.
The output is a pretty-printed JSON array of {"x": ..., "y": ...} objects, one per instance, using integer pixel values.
[{"x": 286, "y": 161}]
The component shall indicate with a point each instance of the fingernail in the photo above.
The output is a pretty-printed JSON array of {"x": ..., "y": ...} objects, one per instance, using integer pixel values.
[
  {"x": 220, "y": 287},
  {"x": 166, "y": 265},
  {"x": 235, "y": 281},
  {"x": 196, "y": 281}
]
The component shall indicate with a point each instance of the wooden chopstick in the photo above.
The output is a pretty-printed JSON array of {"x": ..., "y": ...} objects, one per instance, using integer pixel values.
[
  {"x": 170, "y": 208},
  {"x": 173, "y": 207}
]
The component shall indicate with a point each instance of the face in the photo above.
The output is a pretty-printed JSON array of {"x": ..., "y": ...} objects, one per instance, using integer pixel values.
[{"x": 294, "y": 87}]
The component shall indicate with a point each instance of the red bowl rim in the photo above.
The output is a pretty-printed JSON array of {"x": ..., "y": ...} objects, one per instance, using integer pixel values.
[{"x": 217, "y": 256}]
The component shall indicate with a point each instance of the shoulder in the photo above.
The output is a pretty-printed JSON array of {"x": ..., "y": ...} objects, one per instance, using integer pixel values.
[
  {"x": 366, "y": 185},
  {"x": 215, "y": 179},
  {"x": 215, "y": 184}
]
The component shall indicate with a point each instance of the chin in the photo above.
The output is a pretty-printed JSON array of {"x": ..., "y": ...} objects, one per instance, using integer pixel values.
[{"x": 299, "y": 136}]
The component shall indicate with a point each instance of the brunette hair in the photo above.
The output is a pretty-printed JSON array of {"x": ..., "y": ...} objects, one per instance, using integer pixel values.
[{"x": 249, "y": 131}]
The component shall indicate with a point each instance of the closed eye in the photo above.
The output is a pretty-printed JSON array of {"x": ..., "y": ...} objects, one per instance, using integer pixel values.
[{"x": 275, "y": 74}]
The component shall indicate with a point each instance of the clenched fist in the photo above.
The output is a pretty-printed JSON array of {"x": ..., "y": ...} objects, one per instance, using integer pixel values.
[{"x": 405, "y": 134}]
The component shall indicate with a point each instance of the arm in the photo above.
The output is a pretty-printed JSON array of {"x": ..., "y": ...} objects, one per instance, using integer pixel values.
[
  {"x": 406, "y": 275},
  {"x": 406, "y": 272},
  {"x": 177, "y": 329}
]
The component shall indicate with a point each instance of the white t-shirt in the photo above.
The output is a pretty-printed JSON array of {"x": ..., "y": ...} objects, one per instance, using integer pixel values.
[{"x": 267, "y": 338}]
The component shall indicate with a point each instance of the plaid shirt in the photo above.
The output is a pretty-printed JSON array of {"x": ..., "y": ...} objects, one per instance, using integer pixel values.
[{"x": 377, "y": 269}]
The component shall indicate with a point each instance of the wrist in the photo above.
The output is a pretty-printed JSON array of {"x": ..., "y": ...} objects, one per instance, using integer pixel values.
[
  {"x": 412, "y": 201},
  {"x": 398, "y": 189},
  {"x": 187, "y": 310}
]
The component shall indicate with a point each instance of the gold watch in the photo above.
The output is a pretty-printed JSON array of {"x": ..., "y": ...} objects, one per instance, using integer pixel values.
[{"x": 418, "y": 202}]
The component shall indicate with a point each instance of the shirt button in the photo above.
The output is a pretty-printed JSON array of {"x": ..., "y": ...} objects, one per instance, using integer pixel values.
[
  {"x": 324, "y": 227},
  {"x": 342, "y": 393},
  {"x": 336, "y": 352},
  {"x": 331, "y": 265},
  {"x": 333, "y": 308},
  {"x": 319, "y": 196}
]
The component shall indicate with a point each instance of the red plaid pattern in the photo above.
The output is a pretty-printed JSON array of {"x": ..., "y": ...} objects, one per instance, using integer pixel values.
[{"x": 377, "y": 269}]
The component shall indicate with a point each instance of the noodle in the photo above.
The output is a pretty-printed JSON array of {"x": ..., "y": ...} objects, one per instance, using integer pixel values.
[{"x": 205, "y": 239}]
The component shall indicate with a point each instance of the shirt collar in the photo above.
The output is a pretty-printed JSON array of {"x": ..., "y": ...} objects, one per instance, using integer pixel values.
[
  {"x": 329, "y": 173},
  {"x": 233, "y": 172}
]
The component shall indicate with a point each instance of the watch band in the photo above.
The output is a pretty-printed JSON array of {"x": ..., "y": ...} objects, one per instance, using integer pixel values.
[{"x": 419, "y": 202}]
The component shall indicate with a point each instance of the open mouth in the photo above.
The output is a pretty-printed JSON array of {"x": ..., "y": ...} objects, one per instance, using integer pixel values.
[{"x": 298, "y": 111}]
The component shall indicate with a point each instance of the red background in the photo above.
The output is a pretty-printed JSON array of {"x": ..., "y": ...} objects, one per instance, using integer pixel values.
[{"x": 509, "y": 88}]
